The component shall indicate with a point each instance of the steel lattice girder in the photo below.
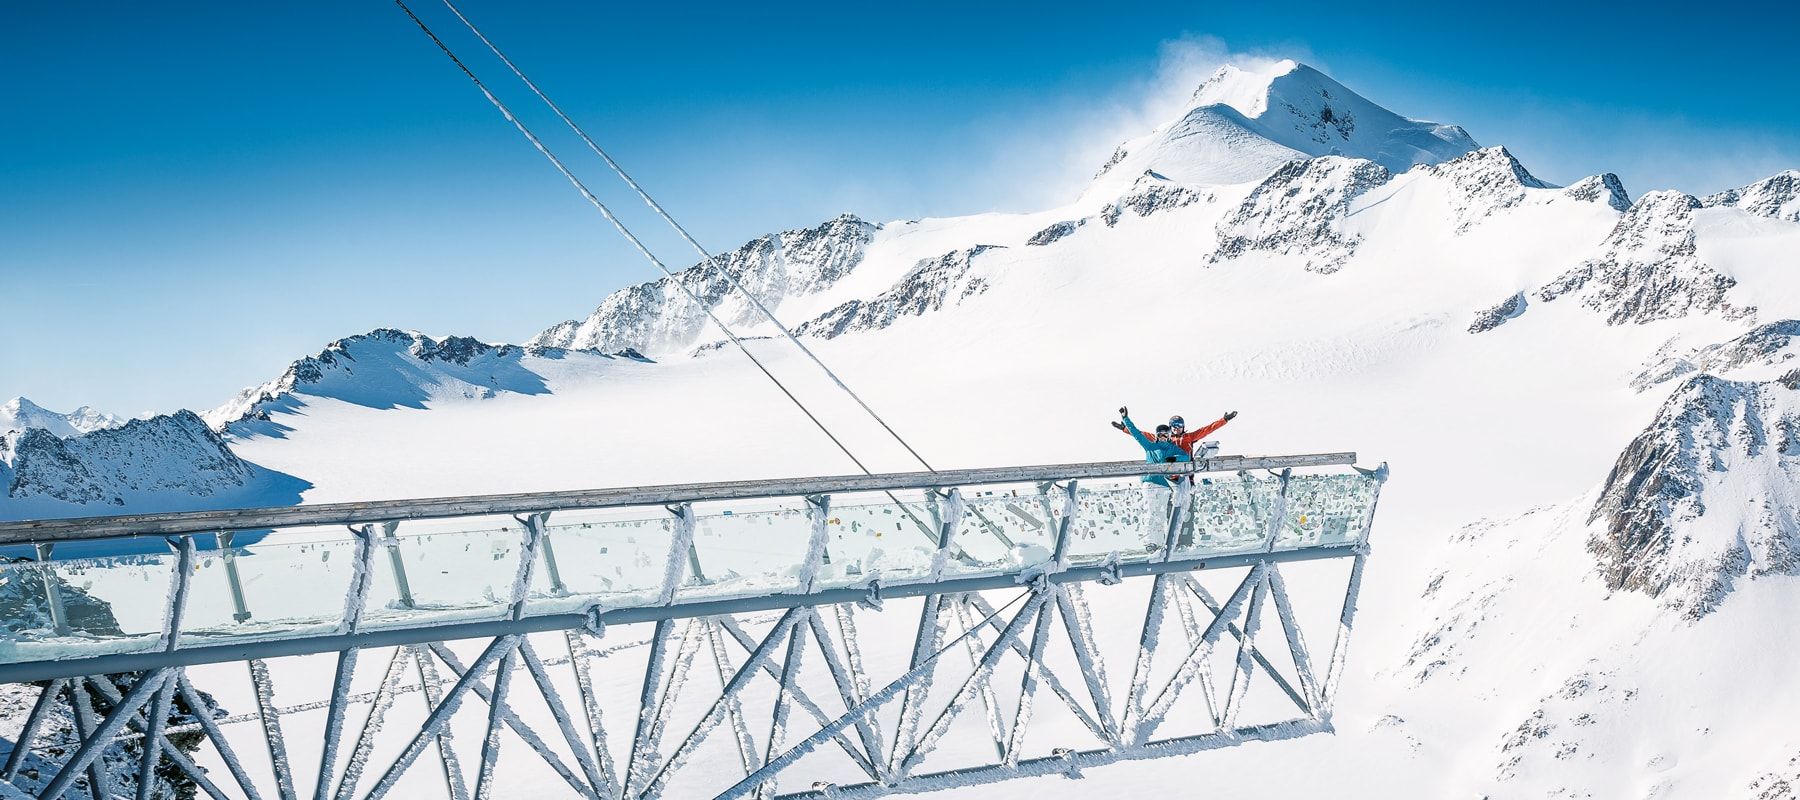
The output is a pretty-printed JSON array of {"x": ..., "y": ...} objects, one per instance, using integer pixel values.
[
  {"x": 820, "y": 639},
  {"x": 886, "y": 730}
]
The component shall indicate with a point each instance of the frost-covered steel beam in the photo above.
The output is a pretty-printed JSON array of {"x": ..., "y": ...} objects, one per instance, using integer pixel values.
[
  {"x": 27, "y": 672},
  {"x": 1068, "y": 763},
  {"x": 1021, "y": 627},
  {"x": 56, "y": 530}
]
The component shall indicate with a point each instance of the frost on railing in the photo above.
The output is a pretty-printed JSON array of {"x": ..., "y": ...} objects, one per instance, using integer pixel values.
[{"x": 304, "y": 581}]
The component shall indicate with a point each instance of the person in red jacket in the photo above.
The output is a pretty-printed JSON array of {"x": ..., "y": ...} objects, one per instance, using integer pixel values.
[{"x": 1182, "y": 437}]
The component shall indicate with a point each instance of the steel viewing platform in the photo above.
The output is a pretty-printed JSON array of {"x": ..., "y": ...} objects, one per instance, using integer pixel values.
[{"x": 852, "y": 623}]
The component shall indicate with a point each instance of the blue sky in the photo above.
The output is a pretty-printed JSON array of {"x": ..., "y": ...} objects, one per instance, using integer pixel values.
[{"x": 194, "y": 195}]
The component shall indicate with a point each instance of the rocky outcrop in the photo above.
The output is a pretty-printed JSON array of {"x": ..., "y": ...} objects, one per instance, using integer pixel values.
[
  {"x": 1298, "y": 212},
  {"x": 660, "y": 317},
  {"x": 1055, "y": 232},
  {"x": 1776, "y": 197},
  {"x": 1648, "y": 268},
  {"x": 1675, "y": 519},
  {"x": 1605, "y": 188},
  {"x": 1151, "y": 194},
  {"x": 1491, "y": 318},
  {"x": 932, "y": 284}
]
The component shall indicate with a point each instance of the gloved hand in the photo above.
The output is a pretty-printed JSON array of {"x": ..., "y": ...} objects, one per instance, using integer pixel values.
[
  {"x": 1230, "y": 415},
  {"x": 1123, "y": 412},
  {"x": 1119, "y": 425}
]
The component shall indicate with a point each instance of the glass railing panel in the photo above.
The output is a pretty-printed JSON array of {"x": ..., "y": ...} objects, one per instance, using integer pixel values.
[
  {"x": 437, "y": 571},
  {"x": 289, "y": 582},
  {"x": 109, "y": 604},
  {"x": 1326, "y": 510},
  {"x": 748, "y": 550},
  {"x": 1123, "y": 518},
  {"x": 1230, "y": 514},
  {"x": 614, "y": 557},
  {"x": 871, "y": 537},
  {"x": 1004, "y": 530}
]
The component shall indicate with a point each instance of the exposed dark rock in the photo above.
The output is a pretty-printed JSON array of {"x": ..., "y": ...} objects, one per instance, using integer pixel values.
[
  {"x": 1299, "y": 211},
  {"x": 1648, "y": 268},
  {"x": 932, "y": 284},
  {"x": 1054, "y": 232},
  {"x": 1491, "y": 318}
]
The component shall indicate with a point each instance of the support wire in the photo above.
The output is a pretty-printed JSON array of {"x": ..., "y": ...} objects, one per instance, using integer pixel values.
[
  {"x": 624, "y": 231},
  {"x": 705, "y": 256}
]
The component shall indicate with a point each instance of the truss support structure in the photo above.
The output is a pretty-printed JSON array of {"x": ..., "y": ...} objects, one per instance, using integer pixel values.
[{"x": 988, "y": 670}]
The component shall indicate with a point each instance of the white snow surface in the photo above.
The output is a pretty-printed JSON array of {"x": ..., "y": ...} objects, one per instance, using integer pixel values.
[{"x": 1492, "y": 656}]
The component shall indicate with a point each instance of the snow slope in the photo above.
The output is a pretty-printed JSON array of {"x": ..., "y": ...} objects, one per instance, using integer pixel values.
[{"x": 1583, "y": 561}]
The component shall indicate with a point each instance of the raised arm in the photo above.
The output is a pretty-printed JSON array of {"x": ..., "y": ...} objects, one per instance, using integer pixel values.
[
  {"x": 1196, "y": 435},
  {"x": 1141, "y": 438}
]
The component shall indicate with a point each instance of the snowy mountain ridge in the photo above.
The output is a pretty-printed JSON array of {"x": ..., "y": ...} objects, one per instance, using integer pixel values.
[
  {"x": 657, "y": 317},
  {"x": 20, "y": 414},
  {"x": 388, "y": 368}
]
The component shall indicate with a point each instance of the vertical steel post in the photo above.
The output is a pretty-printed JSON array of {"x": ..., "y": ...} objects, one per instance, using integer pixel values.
[
  {"x": 59, "y": 616},
  {"x": 681, "y": 552},
  {"x": 240, "y": 609},
  {"x": 1278, "y": 514},
  {"x": 1066, "y": 528},
  {"x": 551, "y": 571},
  {"x": 818, "y": 511},
  {"x": 397, "y": 565},
  {"x": 176, "y": 608}
]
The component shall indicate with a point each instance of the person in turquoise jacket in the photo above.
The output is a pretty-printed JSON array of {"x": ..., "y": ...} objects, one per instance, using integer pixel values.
[{"x": 1158, "y": 449}]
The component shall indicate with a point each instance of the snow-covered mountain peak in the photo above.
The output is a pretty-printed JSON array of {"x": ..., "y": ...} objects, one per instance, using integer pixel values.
[
  {"x": 1605, "y": 188},
  {"x": 1777, "y": 197},
  {"x": 20, "y": 414},
  {"x": 1488, "y": 166},
  {"x": 1483, "y": 182},
  {"x": 1674, "y": 521},
  {"x": 1245, "y": 122}
]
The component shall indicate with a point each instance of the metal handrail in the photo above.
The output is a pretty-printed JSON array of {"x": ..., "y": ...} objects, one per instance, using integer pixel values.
[{"x": 162, "y": 524}]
